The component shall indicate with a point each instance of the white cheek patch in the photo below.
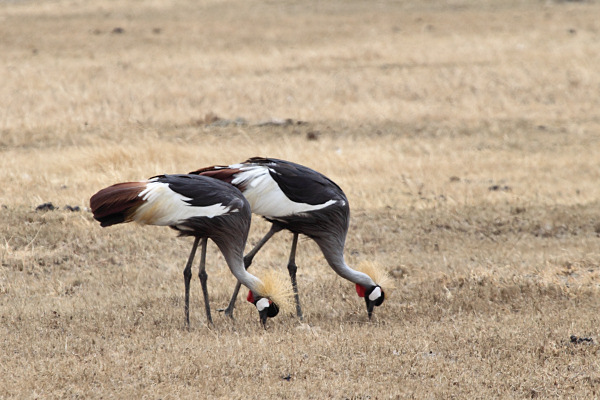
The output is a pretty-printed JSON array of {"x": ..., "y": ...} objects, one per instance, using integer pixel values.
[
  {"x": 375, "y": 294},
  {"x": 262, "y": 304}
]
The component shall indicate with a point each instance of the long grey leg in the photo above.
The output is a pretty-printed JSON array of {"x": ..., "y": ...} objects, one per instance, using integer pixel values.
[
  {"x": 247, "y": 261},
  {"x": 187, "y": 276},
  {"x": 292, "y": 268},
  {"x": 203, "y": 278}
]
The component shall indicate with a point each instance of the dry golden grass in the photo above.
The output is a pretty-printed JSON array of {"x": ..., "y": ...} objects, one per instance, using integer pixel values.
[{"x": 465, "y": 137}]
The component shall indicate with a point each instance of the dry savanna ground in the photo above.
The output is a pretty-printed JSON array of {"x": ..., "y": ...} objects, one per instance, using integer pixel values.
[{"x": 465, "y": 135}]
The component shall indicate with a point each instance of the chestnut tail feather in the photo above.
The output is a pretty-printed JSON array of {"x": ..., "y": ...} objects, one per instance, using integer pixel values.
[
  {"x": 115, "y": 204},
  {"x": 221, "y": 173}
]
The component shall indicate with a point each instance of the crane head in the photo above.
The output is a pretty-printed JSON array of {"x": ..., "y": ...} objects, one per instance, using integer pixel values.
[
  {"x": 266, "y": 308},
  {"x": 374, "y": 296}
]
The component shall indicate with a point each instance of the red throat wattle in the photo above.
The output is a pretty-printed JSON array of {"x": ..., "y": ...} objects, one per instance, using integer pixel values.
[
  {"x": 250, "y": 297},
  {"x": 360, "y": 290}
]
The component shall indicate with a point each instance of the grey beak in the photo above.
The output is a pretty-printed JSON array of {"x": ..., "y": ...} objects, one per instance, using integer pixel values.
[
  {"x": 263, "y": 317},
  {"x": 370, "y": 307}
]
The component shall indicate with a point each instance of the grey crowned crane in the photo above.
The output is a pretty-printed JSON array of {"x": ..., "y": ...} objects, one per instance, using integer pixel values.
[
  {"x": 303, "y": 201},
  {"x": 195, "y": 206}
]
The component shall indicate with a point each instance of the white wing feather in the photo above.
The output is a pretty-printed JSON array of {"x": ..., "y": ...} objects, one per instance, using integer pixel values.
[
  {"x": 162, "y": 206},
  {"x": 265, "y": 196}
]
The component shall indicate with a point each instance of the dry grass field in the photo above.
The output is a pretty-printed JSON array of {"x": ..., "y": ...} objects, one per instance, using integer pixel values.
[{"x": 465, "y": 134}]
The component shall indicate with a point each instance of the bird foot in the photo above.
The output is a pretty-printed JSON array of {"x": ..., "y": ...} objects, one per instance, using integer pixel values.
[{"x": 227, "y": 312}]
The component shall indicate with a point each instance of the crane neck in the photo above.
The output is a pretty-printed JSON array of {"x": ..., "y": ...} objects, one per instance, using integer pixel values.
[
  {"x": 235, "y": 262},
  {"x": 336, "y": 261}
]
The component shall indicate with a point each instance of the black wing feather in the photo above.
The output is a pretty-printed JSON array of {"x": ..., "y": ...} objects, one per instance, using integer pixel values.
[
  {"x": 299, "y": 183},
  {"x": 204, "y": 191}
]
